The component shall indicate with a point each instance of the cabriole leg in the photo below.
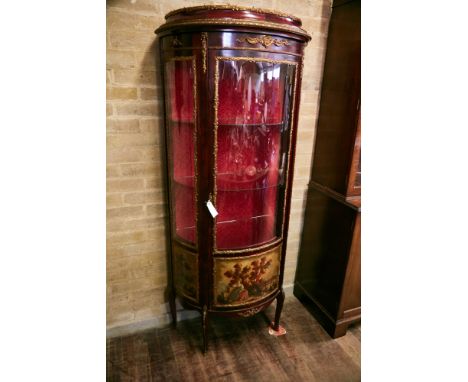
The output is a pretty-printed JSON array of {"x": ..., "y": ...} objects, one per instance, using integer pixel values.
[{"x": 279, "y": 308}]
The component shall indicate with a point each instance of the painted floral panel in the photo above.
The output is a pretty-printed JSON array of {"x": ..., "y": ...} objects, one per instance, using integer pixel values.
[
  {"x": 185, "y": 265},
  {"x": 243, "y": 280}
]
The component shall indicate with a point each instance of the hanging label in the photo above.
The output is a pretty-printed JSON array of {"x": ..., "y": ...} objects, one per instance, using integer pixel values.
[{"x": 211, "y": 208}]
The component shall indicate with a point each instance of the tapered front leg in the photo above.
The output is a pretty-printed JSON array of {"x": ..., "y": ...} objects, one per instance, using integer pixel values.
[
  {"x": 205, "y": 328},
  {"x": 279, "y": 308}
]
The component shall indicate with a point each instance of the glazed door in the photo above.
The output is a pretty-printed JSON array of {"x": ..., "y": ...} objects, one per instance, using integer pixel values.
[{"x": 253, "y": 114}]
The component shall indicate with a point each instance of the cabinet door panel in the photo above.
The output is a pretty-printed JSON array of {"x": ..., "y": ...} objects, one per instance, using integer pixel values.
[{"x": 254, "y": 97}]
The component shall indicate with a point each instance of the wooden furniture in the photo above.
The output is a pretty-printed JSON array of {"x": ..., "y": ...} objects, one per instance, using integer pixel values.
[
  {"x": 232, "y": 85},
  {"x": 328, "y": 277}
]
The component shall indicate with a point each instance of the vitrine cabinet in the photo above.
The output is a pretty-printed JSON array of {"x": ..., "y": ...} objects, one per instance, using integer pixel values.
[
  {"x": 231, "y": 80},
  {"x": 328, "y": 276}
]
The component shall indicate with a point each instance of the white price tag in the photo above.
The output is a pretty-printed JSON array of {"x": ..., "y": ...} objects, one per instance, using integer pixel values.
[{"x": 211, "y": 208}]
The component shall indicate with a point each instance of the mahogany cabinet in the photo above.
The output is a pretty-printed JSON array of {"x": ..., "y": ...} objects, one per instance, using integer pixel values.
[
  {"x": 328, "y": 276},
  {"x": 231, "y": 80}
]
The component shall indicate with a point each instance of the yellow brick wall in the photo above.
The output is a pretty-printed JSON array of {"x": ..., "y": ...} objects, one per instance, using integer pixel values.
[{"x": 136, "y": 258}]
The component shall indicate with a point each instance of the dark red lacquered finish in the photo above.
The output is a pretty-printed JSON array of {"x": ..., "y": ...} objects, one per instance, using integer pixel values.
[{"x": 232, "y": 88}]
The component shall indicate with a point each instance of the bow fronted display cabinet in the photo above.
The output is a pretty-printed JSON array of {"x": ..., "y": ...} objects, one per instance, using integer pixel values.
[{"x": 231, "y": 80}]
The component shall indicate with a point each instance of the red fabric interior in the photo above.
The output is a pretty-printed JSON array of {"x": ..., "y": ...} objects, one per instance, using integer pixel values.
[
  {"x": 250, "y": 117},
  {"x": 249, "y": 130}
]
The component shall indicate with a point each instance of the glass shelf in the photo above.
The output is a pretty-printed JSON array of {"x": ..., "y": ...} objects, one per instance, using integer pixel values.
[
  {"x": 245, "y": 232},
  {"x": 259, "y": 124},
  {"x": 186, "y": 234},
  {"x": 246, "y": 214},
  {"x": 232, "y": 187},
  {"x": 184, "y": 210}
]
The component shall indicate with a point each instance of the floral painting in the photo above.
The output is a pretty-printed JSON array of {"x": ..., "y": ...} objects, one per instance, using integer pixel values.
[
  {"x": 243, "y": 280},
  {"x": 185, "y": 272}
]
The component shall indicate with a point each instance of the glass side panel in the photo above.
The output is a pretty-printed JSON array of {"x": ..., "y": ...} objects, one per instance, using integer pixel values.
[
  {"x": 180, "y": 112},
  {"x": 255, "y": 99}
]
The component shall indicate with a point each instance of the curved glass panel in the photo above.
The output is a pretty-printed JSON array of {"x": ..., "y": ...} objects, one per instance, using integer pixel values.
[
  {"x": 253, "y": 128},
  {"x": 181, "y": 116}
]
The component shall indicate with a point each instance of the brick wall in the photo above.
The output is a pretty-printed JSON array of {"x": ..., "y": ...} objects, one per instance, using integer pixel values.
[{"x": 136, "y": 238}]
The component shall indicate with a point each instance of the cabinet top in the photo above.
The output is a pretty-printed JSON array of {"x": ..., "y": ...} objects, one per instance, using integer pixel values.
[{"x": 233, "y": 15}]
